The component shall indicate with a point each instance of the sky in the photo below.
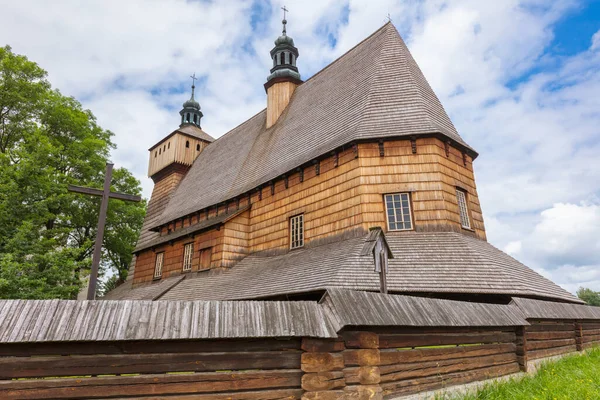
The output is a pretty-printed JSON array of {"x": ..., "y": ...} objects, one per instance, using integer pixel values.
[{"x": 520, "y": 79}]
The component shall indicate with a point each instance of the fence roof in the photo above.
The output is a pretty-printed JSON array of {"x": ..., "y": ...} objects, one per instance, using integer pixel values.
[
  {"x": 354, "y": 308},
  {"x": 70, "y": 320},
  {"x": 539, "y": 309}
]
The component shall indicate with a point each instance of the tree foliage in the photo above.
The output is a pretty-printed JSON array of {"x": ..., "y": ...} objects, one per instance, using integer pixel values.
[
  {"x": 589, "y": 296},
  {"x": 48, "y": 141}
]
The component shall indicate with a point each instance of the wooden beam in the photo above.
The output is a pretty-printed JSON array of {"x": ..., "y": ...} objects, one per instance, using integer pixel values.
[{"x": 100, "y": 193}]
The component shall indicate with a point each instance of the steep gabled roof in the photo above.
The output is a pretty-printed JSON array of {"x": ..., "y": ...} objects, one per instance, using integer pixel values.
[{"x": 376, "y": 90}]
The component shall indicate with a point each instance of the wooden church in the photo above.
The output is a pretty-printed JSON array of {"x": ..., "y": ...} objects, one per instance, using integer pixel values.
[
  {"x": 282, "y": 206},
  {"x": 331, "y": 247}
]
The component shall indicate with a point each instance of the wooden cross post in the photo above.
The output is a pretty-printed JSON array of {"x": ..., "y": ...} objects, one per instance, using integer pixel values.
[{"x": 106, "y": 194}]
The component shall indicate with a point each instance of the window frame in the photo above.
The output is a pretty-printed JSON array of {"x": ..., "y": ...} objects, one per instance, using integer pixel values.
[
  {"x": 296, "y": 220},
  {"x": 465, "y": 206},
  {"x": 188, "y": 257},
  {"x": 159, "y": 267},
  {"x": 410, "y": 211}
]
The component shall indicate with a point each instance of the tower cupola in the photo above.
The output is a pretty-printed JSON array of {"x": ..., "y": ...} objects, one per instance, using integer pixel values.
[
  {"x": 190, "y": 113},
  {"x": 284, "y": 77}
]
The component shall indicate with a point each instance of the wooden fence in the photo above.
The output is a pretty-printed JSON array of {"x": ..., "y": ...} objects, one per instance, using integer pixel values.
[
  {"x": 226, "y": 369},
  {"x": 359, "y": 364}
]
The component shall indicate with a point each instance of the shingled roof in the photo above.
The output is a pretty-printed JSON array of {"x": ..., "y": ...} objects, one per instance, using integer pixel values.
[
  {"x": 376, "y": 90},
  {"x": 440, "y": 262}
]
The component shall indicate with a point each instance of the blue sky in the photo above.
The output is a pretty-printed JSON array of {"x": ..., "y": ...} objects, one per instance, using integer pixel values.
[{"x": 519, "y": 78}]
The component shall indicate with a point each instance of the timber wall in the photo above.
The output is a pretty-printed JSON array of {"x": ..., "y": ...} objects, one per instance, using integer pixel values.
[
  {"x": 264, "y": 369},
  {"x": 338, "y": 194},
  {"x": 374, "y": 364}
]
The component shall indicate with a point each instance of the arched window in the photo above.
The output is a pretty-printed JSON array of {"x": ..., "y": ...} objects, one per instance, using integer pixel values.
[
  {"x": 187, "y": 117},
  {"x": 164, "y": 147},
  {"x": 187, "y": 144},
  {"x": 195, "y": 118},
  {"x": 169, "y": 145},
  {"x": 159, "y": 151},
  {"x": 198, "y": 147},
  {"x": 155, "y": 153}
]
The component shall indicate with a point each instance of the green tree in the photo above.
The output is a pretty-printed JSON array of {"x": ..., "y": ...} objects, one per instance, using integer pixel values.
[
  {"x": 589, "y": 296},
  {"x": 48, "y": 141}
]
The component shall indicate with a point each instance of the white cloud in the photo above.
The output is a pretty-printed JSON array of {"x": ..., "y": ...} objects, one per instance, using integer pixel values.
[
  {"x": 595, "y": 41},
  {"x": 537, "y": 132}
]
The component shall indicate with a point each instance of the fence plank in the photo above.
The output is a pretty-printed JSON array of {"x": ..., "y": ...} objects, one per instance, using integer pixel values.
[
  {"x": 415, "y": 340},
  {"x": 421, "y": 355},
  {"x": 18, "y": 367},
  {"x": 101, "y": 387}
]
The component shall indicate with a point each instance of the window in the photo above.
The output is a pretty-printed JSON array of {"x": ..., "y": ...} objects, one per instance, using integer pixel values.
[
  {"x": 297, "y": 231},
  {"x": 187, "y": 144},
  {"x": 169, "y": 145},
  {"x": 158, "y": 264},
  {"x": 155, "y": 154},
  {"x": 188, "y": 254},
  {"x": 197, "y": 147},
  {"x": 205, "y": 256},
  {"x": 463, "y": 209},
  {"x": 398, "y": 211}
]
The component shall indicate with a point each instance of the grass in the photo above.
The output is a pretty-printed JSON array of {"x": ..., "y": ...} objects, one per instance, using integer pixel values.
[{"x": 575, "y": 377}]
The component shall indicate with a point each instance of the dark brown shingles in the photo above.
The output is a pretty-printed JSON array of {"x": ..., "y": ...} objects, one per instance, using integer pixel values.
[
  {"x": 444, "y": 262},
  {"x": 375, "y": 90}
]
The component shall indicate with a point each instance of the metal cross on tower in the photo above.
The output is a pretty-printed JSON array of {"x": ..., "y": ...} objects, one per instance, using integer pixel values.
[
  {"x": 284, "y": 20},
  {"x": 193, "y": 79},
  {"x": 106, "y": 194}
]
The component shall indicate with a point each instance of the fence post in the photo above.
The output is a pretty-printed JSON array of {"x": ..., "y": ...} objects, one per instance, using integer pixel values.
[
  {"x": 578, "y": 336},
  {"x": 362, "y": 358},
  {"x": 322, "y": 363},
  {"x": 521, "y": 342}
]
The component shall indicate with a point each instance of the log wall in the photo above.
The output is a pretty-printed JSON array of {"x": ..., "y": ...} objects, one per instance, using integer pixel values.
[
  {"x": 374, "y": 364},
  {"x": 265, "y": 369}
]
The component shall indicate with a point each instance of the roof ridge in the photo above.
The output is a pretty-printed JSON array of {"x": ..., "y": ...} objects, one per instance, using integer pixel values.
[{"x": 349, "y": 50}]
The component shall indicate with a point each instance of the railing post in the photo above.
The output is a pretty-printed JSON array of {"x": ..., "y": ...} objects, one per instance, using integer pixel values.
[
  {"x": 578, "y": 336},
  {"x": 322, "y": 364},
  {"x": 362, "y": 359},
  {"x": 521, "y": 342}
]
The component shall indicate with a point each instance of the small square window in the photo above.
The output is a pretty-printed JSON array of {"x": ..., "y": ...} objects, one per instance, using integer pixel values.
[
  {"x": 463, "y": 209},
  {"x": 297, "y": 231},
  {"x": 398, "y": 211},
  {"x": 158, "y": 264},
  {"x": 188, "y": 253}
]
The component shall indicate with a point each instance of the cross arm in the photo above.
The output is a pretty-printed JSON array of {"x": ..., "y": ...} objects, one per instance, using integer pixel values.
[{"x": 99, "y": 193}]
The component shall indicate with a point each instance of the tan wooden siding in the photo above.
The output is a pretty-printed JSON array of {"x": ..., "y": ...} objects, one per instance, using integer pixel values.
[
  {"x": 278, "y": 97},
  {"x": 340, "y": 198},
  {"x": 428, "y": 175},
  {"x": 173, "y": 150},
  {"x": 330, "y": 203}
]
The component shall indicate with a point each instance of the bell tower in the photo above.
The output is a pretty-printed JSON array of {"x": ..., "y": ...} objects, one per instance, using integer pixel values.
[
  {"x": 284, "y": 77},
  {"x": 176, "y": 152}
]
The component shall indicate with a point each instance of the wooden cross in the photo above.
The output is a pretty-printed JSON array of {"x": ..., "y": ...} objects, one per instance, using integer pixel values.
[{"x": 106, "y": 194}]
